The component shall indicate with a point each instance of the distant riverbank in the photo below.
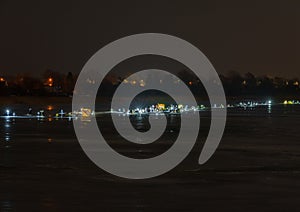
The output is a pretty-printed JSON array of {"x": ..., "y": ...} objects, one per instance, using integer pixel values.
[{"x": 49, "y": 100}]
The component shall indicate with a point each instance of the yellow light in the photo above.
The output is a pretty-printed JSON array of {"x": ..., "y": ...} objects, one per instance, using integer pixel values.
[
  {"x": 86, "y": 112},
  {"x": 161, "y": 106},
  {"x": 142, "y": 83},
  {"x": 286, "y": 102}
]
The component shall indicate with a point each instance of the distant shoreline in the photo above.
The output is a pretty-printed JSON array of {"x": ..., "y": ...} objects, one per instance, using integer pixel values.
[{"x": 48, "y": 100}]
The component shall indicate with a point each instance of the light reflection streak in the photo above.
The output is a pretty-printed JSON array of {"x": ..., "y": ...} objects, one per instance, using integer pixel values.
[
  {"x": 7, "y": 126},
  {"x": 269, "y": 109}
]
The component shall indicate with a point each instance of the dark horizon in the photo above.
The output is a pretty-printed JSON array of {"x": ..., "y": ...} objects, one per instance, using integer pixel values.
[{"x": 258, "y": 37}]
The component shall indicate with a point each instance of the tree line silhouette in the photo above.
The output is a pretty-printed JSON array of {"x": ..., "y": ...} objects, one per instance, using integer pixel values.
[{"x": 53, "y": 83}]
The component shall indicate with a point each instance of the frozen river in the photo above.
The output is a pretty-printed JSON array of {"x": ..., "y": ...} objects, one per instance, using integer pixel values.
[{"x": 255, "y": 168}]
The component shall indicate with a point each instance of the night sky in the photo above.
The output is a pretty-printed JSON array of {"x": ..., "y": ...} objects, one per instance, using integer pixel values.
[{"x": 261, "y": 37}]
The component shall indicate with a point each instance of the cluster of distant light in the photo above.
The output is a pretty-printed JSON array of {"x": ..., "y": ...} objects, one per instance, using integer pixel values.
[
  {"x": 177, "y": 109},
  {"x": 161, "y": 108},
  {"x": 291, "y": 102},
  {"x": 39, "y": 114},
  {"x": 251, "y": 104},
  {"x": 157, "y": 109}
]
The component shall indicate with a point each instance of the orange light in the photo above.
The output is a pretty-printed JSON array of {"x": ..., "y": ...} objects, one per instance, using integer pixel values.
[
  {"x": 190, "y": 82},
  {"x": 49, "y": 107},
  {"x": 49, "y": 82},
  {"x": 2, "y": 79}
]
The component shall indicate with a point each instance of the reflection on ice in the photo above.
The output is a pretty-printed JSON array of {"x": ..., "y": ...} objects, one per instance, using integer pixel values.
[
  {"x": 7, "y": 130},
  {"x": 6, "y": 205},
  {"x": 7, "y": 138},
  {"x": 269, "y": 108}
]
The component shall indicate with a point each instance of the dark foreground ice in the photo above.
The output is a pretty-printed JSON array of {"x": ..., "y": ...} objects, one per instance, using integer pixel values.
[{"x": 255, "y": 168}]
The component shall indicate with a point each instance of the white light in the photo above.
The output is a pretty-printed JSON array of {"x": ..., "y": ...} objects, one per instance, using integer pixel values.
[
  {"x": 7, "y": 112},
  {"x": 269, "y": 102}
]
